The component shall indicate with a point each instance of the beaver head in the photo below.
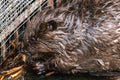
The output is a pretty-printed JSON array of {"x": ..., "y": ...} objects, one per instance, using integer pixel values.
[{"x": 80, "y": 36}]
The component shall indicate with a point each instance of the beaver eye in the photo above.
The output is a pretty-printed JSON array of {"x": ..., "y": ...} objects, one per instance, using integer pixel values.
[{"x": 52, "y": 25}]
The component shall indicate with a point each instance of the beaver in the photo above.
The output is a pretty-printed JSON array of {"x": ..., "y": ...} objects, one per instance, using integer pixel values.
[{"x": 79, "y": 36}]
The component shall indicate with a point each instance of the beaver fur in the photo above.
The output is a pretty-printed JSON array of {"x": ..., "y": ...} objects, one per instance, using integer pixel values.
[{"x": 79, "y": 36}]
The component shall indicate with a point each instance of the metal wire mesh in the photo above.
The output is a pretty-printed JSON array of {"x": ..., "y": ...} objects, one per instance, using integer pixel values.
[
  {"x": 10, "y": 9},
  {"x": 19, "y": 29}
]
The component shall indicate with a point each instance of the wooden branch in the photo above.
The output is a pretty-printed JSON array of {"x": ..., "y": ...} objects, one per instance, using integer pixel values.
[{"x": 3, "y": 51}]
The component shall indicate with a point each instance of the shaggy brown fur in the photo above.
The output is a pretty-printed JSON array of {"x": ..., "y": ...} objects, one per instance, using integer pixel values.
[{"x": 78, "y": 36}]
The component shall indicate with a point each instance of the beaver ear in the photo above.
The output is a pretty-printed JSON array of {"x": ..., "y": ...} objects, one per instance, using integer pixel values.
[{"x": 52, "y": 25}]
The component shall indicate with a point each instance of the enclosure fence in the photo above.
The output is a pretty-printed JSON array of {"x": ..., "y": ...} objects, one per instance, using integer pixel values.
[{"x": 13, "y": 15}]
